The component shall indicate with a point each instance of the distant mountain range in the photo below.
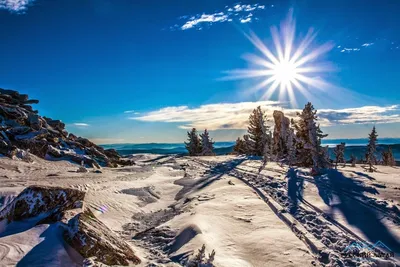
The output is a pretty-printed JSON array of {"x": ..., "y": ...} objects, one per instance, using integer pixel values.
[{"x": 353, "y": 146}]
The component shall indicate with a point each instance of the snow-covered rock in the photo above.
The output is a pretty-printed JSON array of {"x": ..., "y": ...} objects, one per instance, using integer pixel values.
[
  {"x": 93, "y": 239},
  {"x": 23, "y": 128},
  {"x": 41, "y": 200}
]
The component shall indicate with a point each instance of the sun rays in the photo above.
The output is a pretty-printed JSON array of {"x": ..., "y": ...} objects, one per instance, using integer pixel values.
[{"x": 288, "y": 69}]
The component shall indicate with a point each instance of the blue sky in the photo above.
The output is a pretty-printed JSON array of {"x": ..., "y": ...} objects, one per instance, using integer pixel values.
[{"x": 146, "y": 71}]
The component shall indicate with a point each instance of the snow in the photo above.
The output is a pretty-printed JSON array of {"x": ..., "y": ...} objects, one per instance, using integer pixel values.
[
  {"x": 200, "y": 203},
  {"x": 38, "y": 246}
]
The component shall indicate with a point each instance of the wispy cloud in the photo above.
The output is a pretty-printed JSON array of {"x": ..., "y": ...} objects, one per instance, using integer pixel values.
[
  {"x": 80, "y": 124},
  {"x": 239, "y": 12},
  {"x": 367, "y": 44},
  {"x": 15, "y": 6},
  {"x": 235, "y": 115},
  {"x": 348, "y": 50},
  {"x": 131, "y": 112},
  {"x": 354, "y": 45}
]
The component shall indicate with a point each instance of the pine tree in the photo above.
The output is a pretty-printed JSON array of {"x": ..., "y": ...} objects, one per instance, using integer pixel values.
[
  {"x": 392, "y": 160},
  {"x": 339, "y": 154},
  {"x": 207, "y": 145},
  {"x": 388, "y": 158},
  {"x": 371, "y": 149},
  {"x": 249, "y": 146},
  {"x": 193, "y": 145},
  {"x": 257, "y": 132},
  {"x": 309, "y": 135},
  {"x": 240, "y": 146}
]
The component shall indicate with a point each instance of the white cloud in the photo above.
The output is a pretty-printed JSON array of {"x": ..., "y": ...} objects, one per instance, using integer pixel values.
[
  {"x": 217, "y": 17},
  {"x": 81, "y": 124},
  {"x": 246, "y": 20},
  {"x": 355, "y": 49},
  {"x": 16, "y": 6},
  {"x": 235, "y": 115},
  {"x": 238, "y": 12},
  {"x": 348, "y": 50},
  {"x": 131, "y": 112},
  {"x": 367, "y": 44}
]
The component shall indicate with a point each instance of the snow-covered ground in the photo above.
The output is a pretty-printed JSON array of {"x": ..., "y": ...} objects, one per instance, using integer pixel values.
[{"x": 167, "y": 207}]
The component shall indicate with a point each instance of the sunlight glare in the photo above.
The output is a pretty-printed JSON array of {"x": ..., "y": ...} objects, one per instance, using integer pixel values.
[{"x": 291, "y": 69}]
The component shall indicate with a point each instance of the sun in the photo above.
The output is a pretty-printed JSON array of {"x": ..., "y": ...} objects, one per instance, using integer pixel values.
[
  {"x": 288, "y": 68},
  {"x": 285, "y": 72}
]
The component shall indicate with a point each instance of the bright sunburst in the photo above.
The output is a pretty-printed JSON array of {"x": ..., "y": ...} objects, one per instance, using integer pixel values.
[{"x": 289, "y": 68}]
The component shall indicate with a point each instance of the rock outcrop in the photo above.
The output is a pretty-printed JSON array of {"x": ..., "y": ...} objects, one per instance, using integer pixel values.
[
  {"x": 41, "y": 200},
  {"x": 92, "y": 239},
  {"x": 281, "y": 130},
  {"x": 79, "y": 227},
  {"x": 22, "y": 128}
]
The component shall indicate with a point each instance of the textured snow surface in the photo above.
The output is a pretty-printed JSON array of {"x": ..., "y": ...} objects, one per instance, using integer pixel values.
[{"x": 167, "y": 207}]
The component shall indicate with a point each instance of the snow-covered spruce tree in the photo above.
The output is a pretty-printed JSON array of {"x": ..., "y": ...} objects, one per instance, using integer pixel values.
[
  {"x": 256, "y": 132},
  {"x": 339, "y": 154},
  {"x": 392, "y": 160},
  {"x": 249, "y": 144},
  {"x": 240, "y": 146},
  {"x": 201, "y": 260},
  {"x": 388, "y": 158},
  {"x": 193, "y": 145},
  {"x": 309, "y": 136},
  {"x": 207, "y": 145},
  {"x": 371, "y": 149}
]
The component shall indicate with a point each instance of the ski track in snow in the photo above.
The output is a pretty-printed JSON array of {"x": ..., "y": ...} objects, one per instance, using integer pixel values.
[{"x": 331, "y": 233}]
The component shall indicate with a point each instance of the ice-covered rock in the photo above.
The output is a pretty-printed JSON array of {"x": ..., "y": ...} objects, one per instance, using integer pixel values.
[{"x": 93, "y": 239}]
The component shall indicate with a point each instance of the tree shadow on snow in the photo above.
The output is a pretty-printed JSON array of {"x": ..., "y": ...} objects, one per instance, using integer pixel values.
[
  {"x": 294, "y": 189},
  {"x": 364, "y": 175},
  {"x": 334, "y": 188},
  {"x": 214, "y": 174}
]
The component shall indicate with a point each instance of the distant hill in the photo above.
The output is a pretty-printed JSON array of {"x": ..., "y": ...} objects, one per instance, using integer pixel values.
[{"x": 222, "y": 148}]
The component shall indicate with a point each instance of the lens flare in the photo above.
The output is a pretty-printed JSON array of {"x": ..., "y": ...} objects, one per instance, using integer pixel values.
[{"x": 290, "y": 68}]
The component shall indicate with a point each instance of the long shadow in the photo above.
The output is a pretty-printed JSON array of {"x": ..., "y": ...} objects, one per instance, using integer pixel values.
[
  {"x": 17, "y": 227},
  {"x": 365, "y": 219},
  {"x": 155, "y": 159},
  {"x": 295, "y": 189},
  {"x": 364, "y": 175},
  {"x": 50, "y": 249},
  {"x": 215, "y": 173}
]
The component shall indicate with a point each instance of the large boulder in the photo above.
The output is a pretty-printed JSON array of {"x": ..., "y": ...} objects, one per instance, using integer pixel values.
[
  {"x": 40, "y": 200},
  {"x": 93, "y": 239}
]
